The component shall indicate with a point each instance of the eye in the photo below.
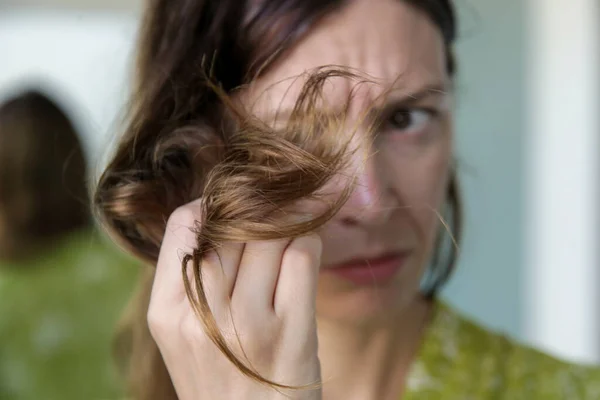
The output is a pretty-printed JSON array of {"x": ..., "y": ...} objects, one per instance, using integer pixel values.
[{"x": 411, "y": 120}]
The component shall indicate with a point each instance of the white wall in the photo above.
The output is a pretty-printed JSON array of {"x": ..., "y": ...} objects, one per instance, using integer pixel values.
[
  {"x": 82, "y": 59},
  {"x": 110, "y": 5},
  {"x": 491, "y": 132},
  {"x": 529, "y": 139},
  {"x": 563, "y": 196}
]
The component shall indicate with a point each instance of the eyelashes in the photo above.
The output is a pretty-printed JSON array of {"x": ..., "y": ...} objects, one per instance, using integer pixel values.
[{"x": 410, "y": 120}]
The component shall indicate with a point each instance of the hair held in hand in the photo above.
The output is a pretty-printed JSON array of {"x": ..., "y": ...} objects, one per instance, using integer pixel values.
[{"x": 251, "y": 178}]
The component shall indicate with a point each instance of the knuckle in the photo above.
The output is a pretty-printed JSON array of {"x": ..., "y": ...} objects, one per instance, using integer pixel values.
[
  {"x": 260, "y": 341},
  {"x": 181, "y": 227},
  {"x": 304, "y": 251},
  {"x": 158, "y": 323},
  {"x": 314, "y": 243},
  {"x": 184, "y": 215}
]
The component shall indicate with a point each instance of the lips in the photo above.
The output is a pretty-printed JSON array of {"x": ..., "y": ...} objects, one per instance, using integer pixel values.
[{"x": 370, "y": 271}]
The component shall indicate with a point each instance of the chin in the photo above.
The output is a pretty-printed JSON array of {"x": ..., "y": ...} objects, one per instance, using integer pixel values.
[{"x": 365, "y": 304}]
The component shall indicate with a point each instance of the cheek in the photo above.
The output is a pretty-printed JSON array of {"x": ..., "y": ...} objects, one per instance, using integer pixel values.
[{"x": 420, "y": 180}]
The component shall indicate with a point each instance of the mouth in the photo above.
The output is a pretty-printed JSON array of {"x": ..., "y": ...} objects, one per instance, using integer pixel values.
[{"x": 365, "y": 271}]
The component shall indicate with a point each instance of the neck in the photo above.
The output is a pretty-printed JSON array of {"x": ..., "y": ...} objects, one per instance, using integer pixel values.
[{"x": 371, "y": 361}]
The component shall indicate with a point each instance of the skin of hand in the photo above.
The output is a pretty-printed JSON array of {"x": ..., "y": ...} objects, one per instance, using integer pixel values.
[{"x": 262, "y": 295}]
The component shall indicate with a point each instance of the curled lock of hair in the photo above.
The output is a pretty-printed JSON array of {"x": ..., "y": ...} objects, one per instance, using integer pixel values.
[
  {"x": 257, "y": 177},
  {"x": 253, "y": 192}
]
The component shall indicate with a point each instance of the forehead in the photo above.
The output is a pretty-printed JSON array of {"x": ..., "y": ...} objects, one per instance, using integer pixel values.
[{"x": 391, "y": 42}]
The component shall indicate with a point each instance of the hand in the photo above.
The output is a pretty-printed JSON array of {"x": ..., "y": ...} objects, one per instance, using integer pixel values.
[{"x": 264, "y": 293}]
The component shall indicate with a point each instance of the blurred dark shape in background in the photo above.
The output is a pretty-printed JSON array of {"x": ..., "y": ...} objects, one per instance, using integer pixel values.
[
  {"x": 43, "y": 191},
  {"x": 63, "y": 286}
]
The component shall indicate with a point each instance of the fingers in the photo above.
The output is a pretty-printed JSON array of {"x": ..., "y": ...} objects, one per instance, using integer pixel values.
[
  {"x": 179, "y": 240},
  {"x": 265, "y": 276},
  {"x": 296, "y": 291},
  {"x": 220, "y": 269},
  {"x": 258, "y": 274}
]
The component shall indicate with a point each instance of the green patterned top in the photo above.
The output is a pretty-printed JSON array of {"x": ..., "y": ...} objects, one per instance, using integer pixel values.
[
  {"x": 460, "y": 361},
  {"x": 57, "y": 319}
]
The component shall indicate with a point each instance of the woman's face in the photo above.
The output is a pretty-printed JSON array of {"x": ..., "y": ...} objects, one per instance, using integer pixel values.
[{"x": 377, "y": 247}]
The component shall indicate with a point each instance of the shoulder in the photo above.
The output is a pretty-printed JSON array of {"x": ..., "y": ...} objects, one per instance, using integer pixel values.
[{"x": 505, "y": 366}]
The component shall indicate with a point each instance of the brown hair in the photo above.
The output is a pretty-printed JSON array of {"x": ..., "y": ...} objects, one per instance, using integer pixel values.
[
  {"x": 43, "y": 186},
  {"x": 186, "y": 139}
]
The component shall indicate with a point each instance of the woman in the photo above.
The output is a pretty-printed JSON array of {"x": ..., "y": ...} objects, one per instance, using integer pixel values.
[
  {"x": 294, "y": 158},
  {"x": 62, "y": 286}
]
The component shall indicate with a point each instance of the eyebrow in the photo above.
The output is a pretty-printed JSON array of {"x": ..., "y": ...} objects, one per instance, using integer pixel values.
[
  {"x": 406, "y": 99},
  {"x": 421, "y": 93}
]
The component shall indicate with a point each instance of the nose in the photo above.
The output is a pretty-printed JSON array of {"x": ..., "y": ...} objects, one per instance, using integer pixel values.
[{"x": 373, "y": 199}]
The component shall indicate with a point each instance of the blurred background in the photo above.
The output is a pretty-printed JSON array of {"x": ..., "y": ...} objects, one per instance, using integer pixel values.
[{"x": 528, "y": 133}]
